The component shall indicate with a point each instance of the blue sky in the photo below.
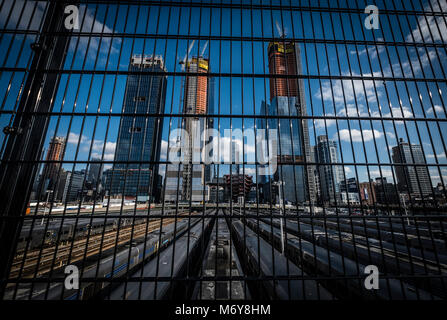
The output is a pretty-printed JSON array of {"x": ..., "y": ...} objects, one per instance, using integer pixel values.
[{"x": 393, "y": 99}]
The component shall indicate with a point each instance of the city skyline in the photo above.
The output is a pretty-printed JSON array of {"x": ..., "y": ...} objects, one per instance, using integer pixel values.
[
  {"x": 372, "y": 138},
  {"x": 336, "y": 103},
  {"x": 223, "y": 151},
  {"x": 196, "y": 100}
]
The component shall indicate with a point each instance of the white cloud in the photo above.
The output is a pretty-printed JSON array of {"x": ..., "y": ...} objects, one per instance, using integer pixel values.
[
  {"x": 397, "y": 112},
  {"x": 342, "y": 90},
  {"x": 384, "y": 172},
  {"x": 371, "y": 50},
  {"x": 73, "y": 138},
  {"x": 107, "y": 156},
  {"x": 435, "y": 177},
  {"x": 323, "y": 123},
  {"x": 352, "y": 110},
  {"x": 249, "y": 149},
  {"x": 414, "y": 65},
  {"x": 25, "y": 16},
  {"x": 249, "y": 171},
  {"x": 92, "y": 43},
  {"x": 96, "y": 148},
  {"x": 109, "y": 152},
  {"x": 390, "y": 135},
  {"x": 426, "y": 30},
  {"x": 357, "y": 135},
  {"x": 427, "y": 26},
  {"x": 438, "y": 109},
  {"x": 438, "y": 156}
]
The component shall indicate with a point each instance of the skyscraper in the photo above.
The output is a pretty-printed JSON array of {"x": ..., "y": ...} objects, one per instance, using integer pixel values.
[
  {"x": 63, "y": 187},
  {"x": 287, "y": 99},
  {"x": 196, "y": 102},
  {"x": 186, "y": 181},
  {"x": 316, "y": 175},
  {"x": 210, "y": 170},
  {"x": 412, "y": 179},
  {"x": 49, "y": 178},
  {"x": 73, "y": 186},
  {"x": 95, "y": 172},
  {"x": 284, "y": 60},
  {"x": 330, "y": 176},
  {"x": 235, "y": 157},
  {"x": 139, "y": 138}
]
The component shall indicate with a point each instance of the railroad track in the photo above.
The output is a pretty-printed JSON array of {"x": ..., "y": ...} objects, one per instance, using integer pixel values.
[{"x": 93, "y": 245}]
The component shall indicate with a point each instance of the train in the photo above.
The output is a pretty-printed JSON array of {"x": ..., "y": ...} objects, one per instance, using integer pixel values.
[
  {"x": 347, "y": 274},
  {"x": 173, "y": 261},
  {"x": 260, "y": 260},
  {"x": 71, "y": 229},
  {"x": 126, "y": 260}
]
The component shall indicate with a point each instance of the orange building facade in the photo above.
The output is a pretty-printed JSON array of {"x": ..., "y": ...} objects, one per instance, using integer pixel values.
[
  {"x": 197, "y": 87},
  {"x": 282, "y": 61}
]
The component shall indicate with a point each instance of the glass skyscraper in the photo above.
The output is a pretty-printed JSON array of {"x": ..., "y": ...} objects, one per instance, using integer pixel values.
[
  {"x": 139, "y": 137},
  {"x": 330, "y": 175},
  {"x": 287, "y": 99},
  {"x": 412, "y": 179},
  {"x": 290, "y": 147}
]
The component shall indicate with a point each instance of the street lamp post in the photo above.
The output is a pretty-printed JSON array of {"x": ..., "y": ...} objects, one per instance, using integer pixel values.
[
  {"x": 405, "y": 207},
  {"x": 279, "y": 183},
  {"x": 46, "y": 203}
]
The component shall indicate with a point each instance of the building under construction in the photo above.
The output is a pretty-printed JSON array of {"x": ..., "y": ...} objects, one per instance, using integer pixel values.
[
  {"x": 287, "y": 99},
  {"x": 52, "y": 168},
  {"x": 186, "y": 181}
]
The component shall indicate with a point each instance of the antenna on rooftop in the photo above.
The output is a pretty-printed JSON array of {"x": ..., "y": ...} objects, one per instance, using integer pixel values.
[
  {"x": 204, "y": 48},
  {"x": 279, "y": 29},
  {"x": 186, "y": 55}
]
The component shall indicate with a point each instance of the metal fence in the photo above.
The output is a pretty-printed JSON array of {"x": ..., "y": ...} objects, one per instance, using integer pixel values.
[{"x": 212, "y": 150}]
